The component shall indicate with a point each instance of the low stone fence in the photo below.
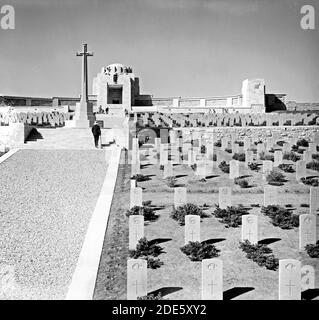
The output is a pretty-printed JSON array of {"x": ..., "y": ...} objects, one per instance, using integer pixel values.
[{"x": 14, "y": 134}]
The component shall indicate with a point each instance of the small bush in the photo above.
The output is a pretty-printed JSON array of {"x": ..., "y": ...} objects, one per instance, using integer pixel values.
[
  {"x": 218, "y": 143},
  {"x": 171, "y": 181},
  {"x": 151, "y": 297},
  {"x": 315, "y": 156},
  {"x": 228, "y": 150},
  {"x": 145, "y": 249},
  {"x": 294, "y": 148},
  {"x": 314, "y": 182},
  {"x": 153, "y": 263},
  {"x": 261, "y": 254},
  {"x": 239, "y": 157},
  {"x": 286, "y": 167},
  {"x": 313, "y": 165},
  {"x": 198, "y": 251},
  {"x": 291, "y": 156},
  {"x": 147, "y": 212},
  {"x": 302, "y": 143},
  {"x": 313, "y": 250},
  {"x": 180, "y": 212},
  {"x": 281, "y": 217},
  {"x": 304, "y": 205},
  {"x": 230, "y": 216},
  {"x": 280, "y": 143},
  {"x": 223, "y": 166},
  {"x": 203, "y": 149},
  {"x": 194, "y": 167},
  {"x": 240, "y": 143},
  {"x": 253, "y": 166},
  {"x": 140, "y": 177},
  {"x": 161, "y": 167},
  {"x": 275, "y": 177},
  {"x": 243, "y": 183}
]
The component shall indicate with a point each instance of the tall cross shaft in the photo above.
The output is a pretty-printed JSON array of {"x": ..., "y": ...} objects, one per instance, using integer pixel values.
[{"x": 84, "y": 89}]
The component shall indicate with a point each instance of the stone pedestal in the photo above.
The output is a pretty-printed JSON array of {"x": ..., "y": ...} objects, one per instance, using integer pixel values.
[{"x": 83, "y": 117}]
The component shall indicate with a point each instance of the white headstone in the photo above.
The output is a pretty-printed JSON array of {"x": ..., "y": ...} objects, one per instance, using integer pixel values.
[
  {"x": 307, "y": 230},
  {"x": 289, "y": 279},
  {"x": 233, "y": 169},
  {"x": 136, "y": 278},
  {"x": 136, "y": 197},
  {"x": 168, "y": 170},
  {"x": 307, "y": 156},
  {"x": 133, "y": 183},
  {"x": 314, "y": 200},
  {"x": 249, "y": 230},
  {"x": 201, "y": 169},
  {"x": 136, "y": 230},
  {"x": 267, "y": 167},
  {"x": 278, "y": 158},
  {"x": 192, "y": 228},
  {"x": 180, "y": 196},
  {"x": 249, "y": 157},
  {"x": 270, "y": 195},
  {"x": 163, "y": 153},
  {"x": 224, "y": 197},
  {"x": 247, "y": 143},
  {"x": 307, "y": 277},
  {"x": 300, "y": 169},
  {"x": 212, "y": 279}
]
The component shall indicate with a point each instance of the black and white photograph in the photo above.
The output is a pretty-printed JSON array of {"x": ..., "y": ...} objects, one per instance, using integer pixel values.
[{"x": 159, "y": 150}]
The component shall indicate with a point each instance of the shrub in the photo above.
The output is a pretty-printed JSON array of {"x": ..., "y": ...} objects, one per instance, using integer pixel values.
[
  {"x": 291, "y": 156},
  {"x": 302, "y": 143},
  {"x": 147, "y": 212},
  {"x": 228, "y": 150},
  {"x": 171, "y": 181},
  {"x": 145, "y": 249},
  {"x": 243, "y": 183},
  {"x": 239, "y": 156},
  {"x": 223, "y": 166},
  {"x": 315, "y": 156},
  {"x": 275, "y": 177},
  {"x": 197, "y": 251},
  {"x": 313, "y": 250},
  {"x": 261, "y": 254},
  {"x": 218, "y": 143},
  {"x": 280, "y": 143},
  {"x": 304, "y": 205},
  {"x": 147, "y": 203},
  {"x": 294, "y": 148},
  {"x": 230, "y": 216},
  {"x": 253, "y": 166},
  {"x": 153, "y": 263},
  {"x": 313, "y": 165},
  {"x": 140, "y": 177},
  {"x": 240, "y": 143},
  {"x": 203, "y": 149},
  {"x": 161, "y": 167},
  {"x": 180, "y": 212},
  {"x": 281, "y": 217},
  {"x": 286, "y": 167},
  {"x": 310, "y": 181},
  {"x": 151, "y": 297}
]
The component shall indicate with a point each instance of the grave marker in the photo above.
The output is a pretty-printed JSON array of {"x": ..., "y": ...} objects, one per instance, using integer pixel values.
[
  {"x": 270, "y": 195},
  {"x": 192, "y": 228},
  {"x": 314, "y": 200},
  {"x": 180, "y": 196},
  {"x": 233, "y": 169},
  {"x": 300, "y": 169},
  {"x": 289, "y": 279},
  {"x": 224, "y": 197},
  {"x": 136, "y": 278},
  {"x": 136, "y": 230},
  {"x": 307, "y": 277},
  {"x": 212, "y": 279},
  {"x": 249, "y": 230},
  {"x": 136, "y": 197},
  {"x": 278, "y": 158},
  {"x": 307, "y": 230}
]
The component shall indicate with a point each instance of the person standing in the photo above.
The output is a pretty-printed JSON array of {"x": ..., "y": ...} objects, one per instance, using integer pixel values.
[{"x": 96, "y": 130}]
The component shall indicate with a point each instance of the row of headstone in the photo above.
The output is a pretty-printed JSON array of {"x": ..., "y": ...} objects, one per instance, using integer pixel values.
[{"x": 293, "y": 278}]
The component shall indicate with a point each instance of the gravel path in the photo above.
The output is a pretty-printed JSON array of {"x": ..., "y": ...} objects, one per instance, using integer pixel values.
[{"x": 46, "y": 201}]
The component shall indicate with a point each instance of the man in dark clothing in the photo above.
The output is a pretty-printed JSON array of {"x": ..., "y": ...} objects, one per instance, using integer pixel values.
[{"x": 96, "y": 130}]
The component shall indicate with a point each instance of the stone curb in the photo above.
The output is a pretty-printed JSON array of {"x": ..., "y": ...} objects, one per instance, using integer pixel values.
[{"x": 8, "y": 155}]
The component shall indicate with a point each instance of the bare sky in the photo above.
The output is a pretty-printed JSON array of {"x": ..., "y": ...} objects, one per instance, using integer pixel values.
[{"x": 187, "y": 48}]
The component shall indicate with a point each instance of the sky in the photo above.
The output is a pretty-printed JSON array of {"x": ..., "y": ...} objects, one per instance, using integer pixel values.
[{"x": 186, "y": 48}]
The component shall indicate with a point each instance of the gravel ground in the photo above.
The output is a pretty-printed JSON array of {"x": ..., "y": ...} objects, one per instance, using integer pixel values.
[{"x": 46, "y": 201}]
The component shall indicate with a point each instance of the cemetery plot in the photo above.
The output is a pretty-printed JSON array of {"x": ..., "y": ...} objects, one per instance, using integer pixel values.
[{"x": 181, "y": 276}]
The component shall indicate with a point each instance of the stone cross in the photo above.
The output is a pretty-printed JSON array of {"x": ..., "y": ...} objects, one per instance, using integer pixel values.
[
  {"x": 84, "y": 54},
  {"x": 212, "y": 279}
]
